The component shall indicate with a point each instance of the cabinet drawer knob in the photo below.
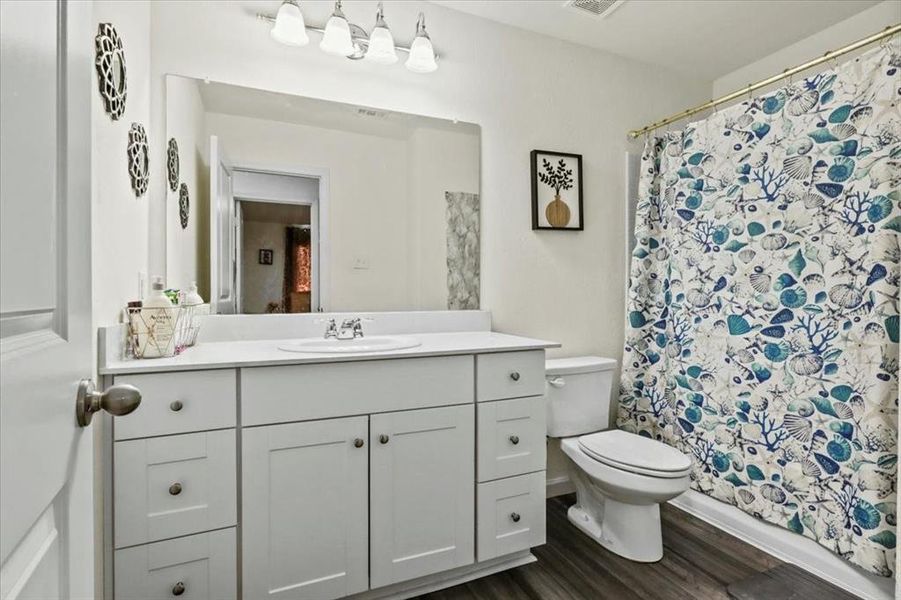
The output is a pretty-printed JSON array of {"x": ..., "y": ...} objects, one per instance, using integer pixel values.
[
  {"x": 175, "y": 489},
  {"x": 514, "y": 439},
  {"x": 176, "y": 406},
  {"x": 514, "y": 375},
  {"x": 358, "y": 443},
  {"x": 383, "y": 438},
  {"x": 515, "y": 517},
  {"x": 178, "y": 589}
]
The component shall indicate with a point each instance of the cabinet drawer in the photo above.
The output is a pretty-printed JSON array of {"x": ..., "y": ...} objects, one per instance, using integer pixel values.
[
  {"x": 198, "y": 567},
  {"x": 171, "y": 486},
  {"x": 510, "y": 375},
  {"x": 179, "y": 403},
  {"x": 511, "y": 437},
  {"x": 511, "y": 515},
  {"x": 306, "y": 392}
]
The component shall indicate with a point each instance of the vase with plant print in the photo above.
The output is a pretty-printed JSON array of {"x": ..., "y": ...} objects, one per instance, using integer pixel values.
[{"x": 558, "y": 178}]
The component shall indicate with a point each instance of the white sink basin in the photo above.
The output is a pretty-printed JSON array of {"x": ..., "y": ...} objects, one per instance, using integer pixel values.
[{"x": 375, "y": 343}]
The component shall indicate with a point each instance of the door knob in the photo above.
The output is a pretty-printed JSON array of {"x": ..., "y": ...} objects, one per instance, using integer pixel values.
[
  {"x": 383, "y": 438},
  {"x": 358, "y": 443},
  {"x": 118, "y": 400},
  {"x": 514, "y": 375}
]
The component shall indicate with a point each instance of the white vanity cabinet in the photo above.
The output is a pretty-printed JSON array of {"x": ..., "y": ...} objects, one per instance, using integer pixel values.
[
  {"x": 305, "y": 517},
  {"x": 363, "y": 478},
  {"x": 421, "y": 487}
]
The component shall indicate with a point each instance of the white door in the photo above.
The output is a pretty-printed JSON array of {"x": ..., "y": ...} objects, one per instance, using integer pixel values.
[
  {"x": 46, "y": 476},
  {"x": 305, "y": 511},
  {"x": 222, "y": 231},
  {"x": 421, "y": 493}
]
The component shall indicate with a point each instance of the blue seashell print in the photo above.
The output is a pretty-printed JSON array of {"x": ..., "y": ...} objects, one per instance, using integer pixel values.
[
  {"x": 774, "y": 331},
  {"x": 839, "y": 449},
  {"x": 762, "y": 324},
  {"x": 827, "y": 464},
  {"x": 832, "y": 190},
  {"x": 783, "y": 316},
  {"x": 866, "y": 515},
  {"x": 738, "y": 325},
  {"x": 841, "y": 392},
  {"x": 880, "y": 207},
  {"x": 841, "y": 169},
  {"x": 793, "y": 297},
  {"x": 840, "y": 114}
]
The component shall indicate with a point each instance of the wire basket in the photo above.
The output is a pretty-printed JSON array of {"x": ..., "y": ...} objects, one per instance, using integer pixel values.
[{"x": 161, "y": 332}]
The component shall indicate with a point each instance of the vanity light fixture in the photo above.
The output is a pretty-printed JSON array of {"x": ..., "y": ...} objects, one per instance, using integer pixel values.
[
  {"x": 422, "y": 54},
  {"x": 336, "y": 39},
  {"x": 341, "y": 37},
  {"x": 381, "y": 42},
  {"x": 289, "y": 27}
]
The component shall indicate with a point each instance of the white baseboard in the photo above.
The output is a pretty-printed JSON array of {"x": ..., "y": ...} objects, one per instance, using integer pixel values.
[
  {"x": 559, "y": 486},
  {"x": 787, "y": 546},
  {"x": 772, "y": 539}
]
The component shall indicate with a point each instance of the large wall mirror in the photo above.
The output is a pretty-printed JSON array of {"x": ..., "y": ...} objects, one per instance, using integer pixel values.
[{"x": 305, "y": 205}]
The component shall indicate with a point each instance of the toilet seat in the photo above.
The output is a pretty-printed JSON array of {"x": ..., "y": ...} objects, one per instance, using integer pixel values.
[{"x": 635, "y": 454}]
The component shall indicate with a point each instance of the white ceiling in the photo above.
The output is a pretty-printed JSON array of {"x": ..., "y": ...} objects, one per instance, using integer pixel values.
[
  {"x": 274, "y": 106},
  {"x": 708, "y": 38}
]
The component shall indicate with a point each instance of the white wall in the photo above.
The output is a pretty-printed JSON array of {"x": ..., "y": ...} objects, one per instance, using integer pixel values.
[
  {"x": 367, "y": 203},
  {"x": 850, "y": 30},
  {"x": 187, "y": 250},
  {"x": 119, "y": 236},
  {"x": 525, "y": 90},
  {"x": 439, "y": 162}
]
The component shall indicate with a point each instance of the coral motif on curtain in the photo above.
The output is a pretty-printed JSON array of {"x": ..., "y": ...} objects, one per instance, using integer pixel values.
[{"x": 762, "y": 328}]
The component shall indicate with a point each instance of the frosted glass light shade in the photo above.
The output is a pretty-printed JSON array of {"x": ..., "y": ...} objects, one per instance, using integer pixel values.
[
  {"x": 289, "y": 27},
  {"x": 336, "y": 39},
  {"x": 422, "y": 56},
  {"x": 381, "y": 47}
]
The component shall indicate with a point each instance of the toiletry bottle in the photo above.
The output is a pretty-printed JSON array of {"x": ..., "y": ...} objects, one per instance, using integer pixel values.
[
  {"x": 191, "y": 297},
  {"x": 159, "y": 316}
]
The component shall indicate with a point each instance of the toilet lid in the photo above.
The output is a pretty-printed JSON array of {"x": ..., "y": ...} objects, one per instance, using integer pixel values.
[{"x": 635, "y": 453}]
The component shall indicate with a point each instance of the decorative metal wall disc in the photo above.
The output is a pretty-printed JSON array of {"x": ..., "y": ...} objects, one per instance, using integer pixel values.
[
  {"x": 172, "y": 164},
  {"x": 138, "y": 161},
  {"x": 184, "y": 205},
  {"x": 111, "y": 75}
]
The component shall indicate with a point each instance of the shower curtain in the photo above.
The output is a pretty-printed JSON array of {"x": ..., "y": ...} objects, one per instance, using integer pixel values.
[{"x": 762, "y": 320}]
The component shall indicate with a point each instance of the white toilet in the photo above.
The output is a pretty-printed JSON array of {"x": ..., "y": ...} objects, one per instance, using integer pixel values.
[{"x": 621, "y": 478}]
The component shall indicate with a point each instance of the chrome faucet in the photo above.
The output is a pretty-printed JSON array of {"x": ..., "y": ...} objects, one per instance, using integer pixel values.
[
  {"x": 350, "y": 329},
  {"x": 355, "y": 326},
  {"x": 331, "y": 330}
]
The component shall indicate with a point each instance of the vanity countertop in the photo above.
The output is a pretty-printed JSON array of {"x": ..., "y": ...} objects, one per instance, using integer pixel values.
[{"x": 258, "y": 353}]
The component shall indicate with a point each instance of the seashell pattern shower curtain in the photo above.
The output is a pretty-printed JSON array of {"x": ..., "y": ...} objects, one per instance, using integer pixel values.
[{"x": 762, "y": 326}]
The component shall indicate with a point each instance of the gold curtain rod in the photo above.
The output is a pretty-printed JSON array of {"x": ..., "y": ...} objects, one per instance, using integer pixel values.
[{"x": 887, "y": 32}]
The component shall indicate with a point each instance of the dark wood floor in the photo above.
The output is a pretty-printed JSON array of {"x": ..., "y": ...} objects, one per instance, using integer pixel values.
[{"x": 699, "y": 563}]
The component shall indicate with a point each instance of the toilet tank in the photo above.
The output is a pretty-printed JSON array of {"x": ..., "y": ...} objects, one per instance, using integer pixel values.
[{"x": 578, "y": 394}]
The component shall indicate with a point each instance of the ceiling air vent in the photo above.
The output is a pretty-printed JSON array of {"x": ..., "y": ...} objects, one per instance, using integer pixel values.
[{"x": 595, "y": 8}]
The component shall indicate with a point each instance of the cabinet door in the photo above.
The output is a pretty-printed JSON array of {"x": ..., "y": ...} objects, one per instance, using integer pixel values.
[
  {"x": 421, "y": 492},
  {"x": 305, "y": 512}
]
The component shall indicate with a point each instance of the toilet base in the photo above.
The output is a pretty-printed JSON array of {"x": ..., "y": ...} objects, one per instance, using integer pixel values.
[{"x": 628, "y": 530}]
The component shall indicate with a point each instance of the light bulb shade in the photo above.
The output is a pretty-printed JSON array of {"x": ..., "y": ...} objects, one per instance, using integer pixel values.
[
  {"x": 381, "y": 47},
  {"x": 422, "y": 56},
  {"x": 336, "y": 39},
  {"x": 289, "y": 27}
]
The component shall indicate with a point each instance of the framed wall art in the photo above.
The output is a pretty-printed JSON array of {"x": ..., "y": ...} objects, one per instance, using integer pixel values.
[{"x": 556, "y": 190}]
